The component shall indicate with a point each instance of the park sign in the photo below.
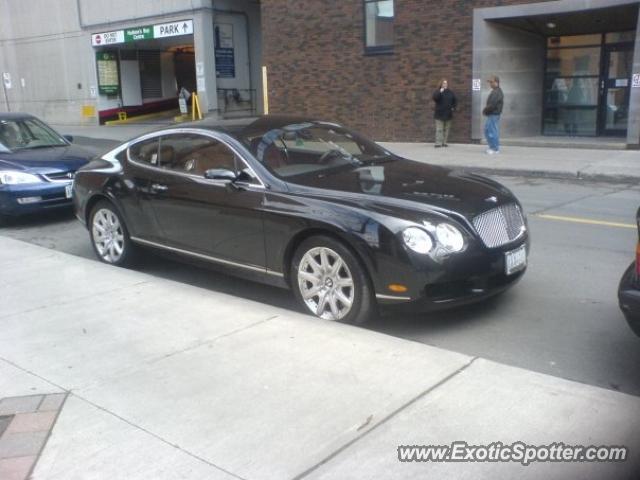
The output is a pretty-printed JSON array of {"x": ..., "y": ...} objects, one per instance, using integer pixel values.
[{"x": 145, "y": 32}]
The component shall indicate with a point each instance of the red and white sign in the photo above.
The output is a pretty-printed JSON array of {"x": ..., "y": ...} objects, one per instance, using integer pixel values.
[{"x": 107, "y": 38}]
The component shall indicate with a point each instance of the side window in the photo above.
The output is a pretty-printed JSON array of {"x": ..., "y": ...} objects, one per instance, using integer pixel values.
[
  {"x": 194, "y": 154},
  {"x": 145, "y": 152}
]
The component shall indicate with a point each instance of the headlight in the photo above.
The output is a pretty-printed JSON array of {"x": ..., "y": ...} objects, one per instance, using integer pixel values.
[
  {"x": 449, "y": 237},
  {"x": 15, "y": 178},
  {"x": 417, "y": 240}
]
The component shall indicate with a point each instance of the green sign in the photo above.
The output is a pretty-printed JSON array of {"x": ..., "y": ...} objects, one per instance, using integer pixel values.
[
  {"x": 108, "y": 80},
  {"x": 138, "y": 33}
]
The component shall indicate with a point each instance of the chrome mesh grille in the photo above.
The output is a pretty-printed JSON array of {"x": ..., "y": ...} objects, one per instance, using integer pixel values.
[{"x": 499, "y": 225}]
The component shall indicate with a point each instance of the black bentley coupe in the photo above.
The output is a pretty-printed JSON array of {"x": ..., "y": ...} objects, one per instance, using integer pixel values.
[{"x": 307, "y": 205}]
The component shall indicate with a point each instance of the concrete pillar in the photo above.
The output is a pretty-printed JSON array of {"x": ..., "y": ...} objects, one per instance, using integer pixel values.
[
  {"x": 203, "y": 42},
  {"x": 518, "y": 58},
  {"x": 633, "y": 126}
]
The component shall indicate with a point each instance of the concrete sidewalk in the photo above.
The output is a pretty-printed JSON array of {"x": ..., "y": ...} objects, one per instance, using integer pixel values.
[{"x": 167, "y": 380}]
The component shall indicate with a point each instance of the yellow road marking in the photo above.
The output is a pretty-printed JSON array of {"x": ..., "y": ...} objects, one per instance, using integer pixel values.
[{"x": 587, "y": 221}]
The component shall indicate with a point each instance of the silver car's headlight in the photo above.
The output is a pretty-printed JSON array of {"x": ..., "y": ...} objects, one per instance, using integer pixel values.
[
  {"x": 417, "y": 240},
  {"x": 14, "y": 178},
  {"x": 449, "y": 237}
]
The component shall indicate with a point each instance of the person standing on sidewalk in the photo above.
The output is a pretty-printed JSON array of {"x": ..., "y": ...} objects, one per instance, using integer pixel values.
[
  {"x": 492, "y": 111},
  {"x": 446, "y": 104}
]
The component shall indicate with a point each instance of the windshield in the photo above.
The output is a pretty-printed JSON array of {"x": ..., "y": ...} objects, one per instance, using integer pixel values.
[
  {"x": 305, "y": 148},
  {"x": 26, "y": 133}
]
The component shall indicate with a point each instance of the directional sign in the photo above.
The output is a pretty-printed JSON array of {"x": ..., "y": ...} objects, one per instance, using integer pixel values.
[
  {"x": 145, "y": 32},
  {"x": 173, "y": 29},
  {"x": 6, "y": 78}
]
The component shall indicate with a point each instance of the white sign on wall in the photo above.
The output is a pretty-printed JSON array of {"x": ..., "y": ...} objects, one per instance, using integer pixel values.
[
  {"x": 107, "y": 38},
  {"x": 476, "y": 84},
  {"x": 173, "y": 29},
  {"x": 635, "y": 83},
  {"x": 6, "y": 78}
]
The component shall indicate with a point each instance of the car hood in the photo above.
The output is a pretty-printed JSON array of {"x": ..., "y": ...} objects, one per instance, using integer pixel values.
[
  {"x": 406, "y": 184},
  {"x": 46, "y": 160}
]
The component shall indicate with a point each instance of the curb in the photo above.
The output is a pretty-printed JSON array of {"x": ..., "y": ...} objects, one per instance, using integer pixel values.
[{"x": 555, "y": 175}]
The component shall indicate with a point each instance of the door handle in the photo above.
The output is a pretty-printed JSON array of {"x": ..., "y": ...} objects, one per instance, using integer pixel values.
[{"x": 158, "y": 187}]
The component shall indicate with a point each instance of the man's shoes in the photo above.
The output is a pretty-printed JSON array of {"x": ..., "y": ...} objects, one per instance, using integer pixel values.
[
  {"x": 445, "y": 145},
  {"x": 437, "y": 146},
  {"x": 490, "y": 151}
]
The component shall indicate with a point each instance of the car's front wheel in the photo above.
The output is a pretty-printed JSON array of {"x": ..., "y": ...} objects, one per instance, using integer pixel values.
[
  {"x": 330, "y": 283},
  {"x": 109, "y": 235}
]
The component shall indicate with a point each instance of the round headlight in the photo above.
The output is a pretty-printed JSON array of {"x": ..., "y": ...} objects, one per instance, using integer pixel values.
[
  {"x": 417, "y": 240},
  {"x": 450, "y": 237}
]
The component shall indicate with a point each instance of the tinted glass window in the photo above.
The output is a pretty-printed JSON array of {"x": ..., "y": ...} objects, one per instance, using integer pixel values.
[
  {"x": 145, "y": 152},
  {"x": 303, "y": 148},
  {"x": 194, "y": 154}
]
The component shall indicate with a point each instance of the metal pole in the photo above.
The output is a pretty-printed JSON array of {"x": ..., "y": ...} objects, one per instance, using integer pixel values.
[{"x": 6, "y": 97}]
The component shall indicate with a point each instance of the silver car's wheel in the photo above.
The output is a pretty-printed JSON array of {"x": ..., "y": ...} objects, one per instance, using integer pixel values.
[
  {"x": 108, "y": 235},
  {"x": 326, "y": 284}
]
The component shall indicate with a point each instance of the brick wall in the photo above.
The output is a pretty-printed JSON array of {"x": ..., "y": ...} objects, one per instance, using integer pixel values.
[{"x": 314, "y": 52}]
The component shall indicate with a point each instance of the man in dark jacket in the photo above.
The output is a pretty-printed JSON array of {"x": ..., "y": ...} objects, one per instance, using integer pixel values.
[
  {"x": 493, "y": 110},
  {"x": 446, "y": 103}
]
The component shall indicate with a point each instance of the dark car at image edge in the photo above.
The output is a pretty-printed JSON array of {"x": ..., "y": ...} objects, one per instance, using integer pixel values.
[
  {"x": 307, "y": 205},
  {"x": 629, "y": 288}
]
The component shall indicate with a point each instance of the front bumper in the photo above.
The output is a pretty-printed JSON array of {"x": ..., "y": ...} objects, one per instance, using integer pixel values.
[
  {"x": 51, "y": 196},
  {"x": 629, "y": 298},
  {"x": 468, "y": 277}
]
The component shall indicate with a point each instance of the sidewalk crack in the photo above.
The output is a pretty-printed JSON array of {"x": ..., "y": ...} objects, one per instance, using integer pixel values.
[
  {"x": 384, "y": 420},
  {"x": 156, "y": 436},
  {"x": 210, "y": 340},
  {"x": 73, "y": 300}
]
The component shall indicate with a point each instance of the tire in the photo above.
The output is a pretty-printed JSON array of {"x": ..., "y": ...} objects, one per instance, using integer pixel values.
[
  {"x": 109, "y": 235},
  {"x": 325, "y": 292}
]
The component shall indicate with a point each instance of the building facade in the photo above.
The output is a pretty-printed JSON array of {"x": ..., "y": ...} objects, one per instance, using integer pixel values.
[
  {"x": 81, "y": 61},
  {"x": 567, "y": 67}
]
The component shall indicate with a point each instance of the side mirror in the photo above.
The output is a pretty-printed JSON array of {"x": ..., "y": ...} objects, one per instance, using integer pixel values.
[
  {"x": 68, "y": 138},
  {"x": 220, "y": 174}
]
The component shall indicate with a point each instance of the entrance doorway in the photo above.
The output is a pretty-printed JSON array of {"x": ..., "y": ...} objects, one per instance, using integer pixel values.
[
  {"x": 587, "y": 84},
  {"x": 616, "y": 83}
]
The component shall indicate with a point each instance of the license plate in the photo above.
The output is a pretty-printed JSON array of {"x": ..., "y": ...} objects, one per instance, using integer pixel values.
[
  {"x": 68, "y": 190},
  {"x": 515, "y": 260}
]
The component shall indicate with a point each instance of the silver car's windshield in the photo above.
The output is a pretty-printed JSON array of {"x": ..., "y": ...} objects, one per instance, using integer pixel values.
[{"x": 27, "y": 133}]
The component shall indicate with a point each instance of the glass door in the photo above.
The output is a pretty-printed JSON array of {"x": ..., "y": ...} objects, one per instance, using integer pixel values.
[{"x": 615, "y": 85}]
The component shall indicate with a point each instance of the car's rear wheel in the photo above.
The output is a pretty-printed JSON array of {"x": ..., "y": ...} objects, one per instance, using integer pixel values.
[
  {"x": 109, "y": 235},
  {"x": 330, "y": 282}
]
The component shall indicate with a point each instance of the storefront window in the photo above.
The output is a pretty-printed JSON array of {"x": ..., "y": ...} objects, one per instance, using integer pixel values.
[
  {"x": 572, "y": 83},
  {"x": 379, "y": 17},
  {"x": 587, "y": 84},
  {"x": 575, "y": 40},
  {"x": 573, "y": 61},
  {"x": 620, "y": 37}
]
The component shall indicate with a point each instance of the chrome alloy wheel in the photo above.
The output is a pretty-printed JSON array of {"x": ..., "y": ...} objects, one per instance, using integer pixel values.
[
  {"x": 326, "y": 284},
  {"x": 108, "y": 236}
]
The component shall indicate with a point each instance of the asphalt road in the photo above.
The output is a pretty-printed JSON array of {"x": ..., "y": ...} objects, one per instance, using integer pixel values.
[{"x": 561, "y": 319}]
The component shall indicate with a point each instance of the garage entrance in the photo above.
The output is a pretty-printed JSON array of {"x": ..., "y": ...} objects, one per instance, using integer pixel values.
[{"x": 142, "y": 69}]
